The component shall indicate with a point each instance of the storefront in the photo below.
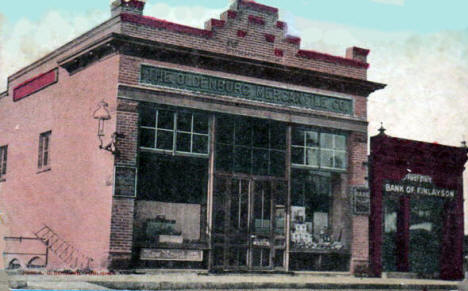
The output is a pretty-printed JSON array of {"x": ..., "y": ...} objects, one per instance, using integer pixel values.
[
  {"x": 242, "y": 164},
  {"x": 224, "y": 148},
  {"x": 417, "y": 208},
  {"x": 236, "y": 192}
]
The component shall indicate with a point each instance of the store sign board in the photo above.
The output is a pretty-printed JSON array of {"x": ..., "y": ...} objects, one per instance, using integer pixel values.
[
  {"x": 171, "y": 255},
  {"x": 151, "y": 75},
  {"x": 361, "y": 200},
  {"x": 416, "y": 184}
]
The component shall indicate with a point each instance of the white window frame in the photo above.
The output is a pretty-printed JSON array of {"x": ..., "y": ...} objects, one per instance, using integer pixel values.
[
  {"x": 175, "y": 132},
  {"x": 321, "y": 149},
  {"x": 44, "y": 150}
]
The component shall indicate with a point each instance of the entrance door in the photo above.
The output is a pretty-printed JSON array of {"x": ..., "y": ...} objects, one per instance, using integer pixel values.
[{"x": 249, "y": 223}]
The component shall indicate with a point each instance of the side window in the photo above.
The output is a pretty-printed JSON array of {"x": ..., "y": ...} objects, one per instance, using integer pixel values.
[
  {"x": 43, "y": 161},
  {"x": 3, "y": 161}
]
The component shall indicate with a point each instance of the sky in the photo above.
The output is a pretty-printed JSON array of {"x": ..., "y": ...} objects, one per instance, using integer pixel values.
[{"x": 419, "y": 48}]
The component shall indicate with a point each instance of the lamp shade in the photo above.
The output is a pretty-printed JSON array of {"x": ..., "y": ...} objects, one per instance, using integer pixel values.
[{"x": 102, "y": 113}]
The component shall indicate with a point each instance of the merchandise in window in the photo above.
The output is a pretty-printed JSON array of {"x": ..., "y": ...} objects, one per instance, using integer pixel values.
[
  {"x": 312, "y": 211},
  {"x": 174, "y": 131},
  {"x": 316, "y": 149}
]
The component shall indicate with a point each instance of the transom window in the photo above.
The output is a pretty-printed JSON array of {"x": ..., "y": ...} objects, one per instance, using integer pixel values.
[
  {"x": 3, "y": 160},
  {"x": 250, "y": 146},
  {"x": 314, "y": 149},
  {"x": 174, "y": 131}
]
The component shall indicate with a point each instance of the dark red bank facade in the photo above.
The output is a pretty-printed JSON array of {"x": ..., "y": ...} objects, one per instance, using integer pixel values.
[{"x": 416, "y": 221}]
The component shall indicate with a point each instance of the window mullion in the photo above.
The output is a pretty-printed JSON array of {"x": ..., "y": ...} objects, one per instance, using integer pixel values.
[
  {"x": 304, "y": 156},
  {"x": 156, "y": 130},
  {"x": 191, "y": 133},
  {"x": 174, "y": 135},
  {"x": 334, "y": 150}
]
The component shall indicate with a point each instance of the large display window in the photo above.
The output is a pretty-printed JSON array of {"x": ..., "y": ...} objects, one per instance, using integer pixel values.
[
  {"x": 421, "y": 220},
  {"x": 318, "y": 209},
  {"x": 171, "y": 206}
]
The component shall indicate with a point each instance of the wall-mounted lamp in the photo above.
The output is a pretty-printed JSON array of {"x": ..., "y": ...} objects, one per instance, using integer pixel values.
[{"x": 102, "y": 114}]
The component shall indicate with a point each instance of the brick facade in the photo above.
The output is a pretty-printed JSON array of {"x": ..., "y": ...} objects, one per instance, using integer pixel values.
[
  {"x": 358, "y": 176},
  {"x": 123, "y": 204},
  {"x": 248, "y": 44},
  {"x": 225, "y": 39}
]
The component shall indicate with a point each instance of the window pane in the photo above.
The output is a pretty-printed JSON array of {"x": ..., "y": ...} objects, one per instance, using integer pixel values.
[
  {"x": 260, "y": 162},
  {"x": 165, "y": 119},
  {"x": 147, "y": 138},
  {"x": 297, "y": 137},
  {"x": 224, "y": 129},
  {"x": 223, "y": 158},
  {"x": 297, "y": 189},
  {"x": 4, "y": 153},
  {"x": 326, "y": 140},
  {"x": 243, "y": 132},
  {"x": 306, "y": 191},
  {"x": 200, "y": 144},
  {"x": 184, "y": 122},
  {"x": 326, "y": 158},
  {"x": 165, "y": 140},
  {"x": 261, "y": 133},
  {"x": 200, "y": 124},
  {"x": 340, "y": 142},
  {"x": 46, "y": 159},
  {"x": 277, "y": 163},
  {"x": 277, "y": 135},
  {"x": 311, "y": 139},
  {"x": 183, "y": 142},
  {"x": 297, "y": 155},
  {"x": 148, "y": 116},
  {"x": 242, "y": 160},
  {"x": 312, "y": 157},
  {"x": 46, "y": 142},
  {"x": 340, "y": 160},
  {"x": 172, "y": 179},
  {"x": 324, "y": 186}
]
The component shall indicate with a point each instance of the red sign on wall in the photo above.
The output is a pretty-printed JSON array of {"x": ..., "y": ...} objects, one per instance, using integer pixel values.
[{"x": 35, "y": 84}]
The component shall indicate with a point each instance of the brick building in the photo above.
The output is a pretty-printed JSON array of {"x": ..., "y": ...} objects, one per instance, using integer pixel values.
[
  {"x": 416, "y": 221},
  {"x": 227, "y": 148}
]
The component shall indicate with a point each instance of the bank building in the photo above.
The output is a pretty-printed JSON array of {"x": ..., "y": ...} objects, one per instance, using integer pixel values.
[{"x": 149, "y": 144}]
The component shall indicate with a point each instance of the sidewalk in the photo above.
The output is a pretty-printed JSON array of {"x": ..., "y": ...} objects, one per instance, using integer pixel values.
[{"x": 203, "y": 281}]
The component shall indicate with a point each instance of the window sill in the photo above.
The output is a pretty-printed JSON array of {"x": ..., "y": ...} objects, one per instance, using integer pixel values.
[{"x": 44, "y": 170}]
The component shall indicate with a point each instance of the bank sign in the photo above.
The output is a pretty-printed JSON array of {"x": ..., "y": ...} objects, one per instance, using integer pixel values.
[
  {"x": 151, "y": 75},
  {"x": 416, "y": 184}
]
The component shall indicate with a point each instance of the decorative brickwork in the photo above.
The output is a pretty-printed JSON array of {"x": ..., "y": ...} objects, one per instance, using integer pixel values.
[{"x": 259, "y": 25}]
